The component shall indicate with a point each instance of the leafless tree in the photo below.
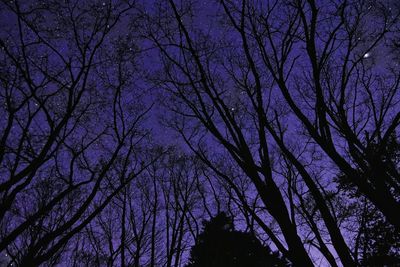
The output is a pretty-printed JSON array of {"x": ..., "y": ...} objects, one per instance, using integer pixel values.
[
  {"x": 291, "y": 110},
  {"x": 70, "y": 136},
  {"x": 313, "y": 82},
  {"x": 154, "y": 220}
]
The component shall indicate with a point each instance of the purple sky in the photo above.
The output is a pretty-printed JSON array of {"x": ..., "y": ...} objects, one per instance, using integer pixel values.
[{"x": 143, "y": 89}]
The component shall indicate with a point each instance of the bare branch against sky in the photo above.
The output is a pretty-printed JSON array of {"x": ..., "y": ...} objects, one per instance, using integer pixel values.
[{"x": 199, "y": 133}]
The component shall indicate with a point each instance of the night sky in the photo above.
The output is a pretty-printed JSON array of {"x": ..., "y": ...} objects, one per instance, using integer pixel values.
[{"x": 199, "y": 133}]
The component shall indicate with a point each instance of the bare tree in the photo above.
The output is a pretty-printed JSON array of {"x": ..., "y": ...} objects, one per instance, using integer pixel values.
[
  {"x": 68, "y": 129},
  {"x": 189, "y": 78},
  {"x": 290, "y": 108},
  {"x": 154, "y": 220},
  {"x": 295, "y": 77},
  {"x": 347, "y": 80}
]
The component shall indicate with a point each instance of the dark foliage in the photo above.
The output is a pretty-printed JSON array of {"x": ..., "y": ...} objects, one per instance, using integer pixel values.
[
  {"x": 379, "y": 240},
  {"x": 221, "y": 245}
]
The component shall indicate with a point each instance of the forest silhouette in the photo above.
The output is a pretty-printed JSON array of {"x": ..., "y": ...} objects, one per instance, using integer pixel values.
[{"x": 125, "y": 124}]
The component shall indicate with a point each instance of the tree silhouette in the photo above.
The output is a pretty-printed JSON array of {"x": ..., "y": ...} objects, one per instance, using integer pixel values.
[
  {"x": 221, "y": 245},
  {"x": 299, "y": 79},
  {"x": 380, "y": 242}
]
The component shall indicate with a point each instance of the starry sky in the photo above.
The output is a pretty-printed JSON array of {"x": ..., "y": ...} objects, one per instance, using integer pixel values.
[{"x": 133, "y": 80}]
